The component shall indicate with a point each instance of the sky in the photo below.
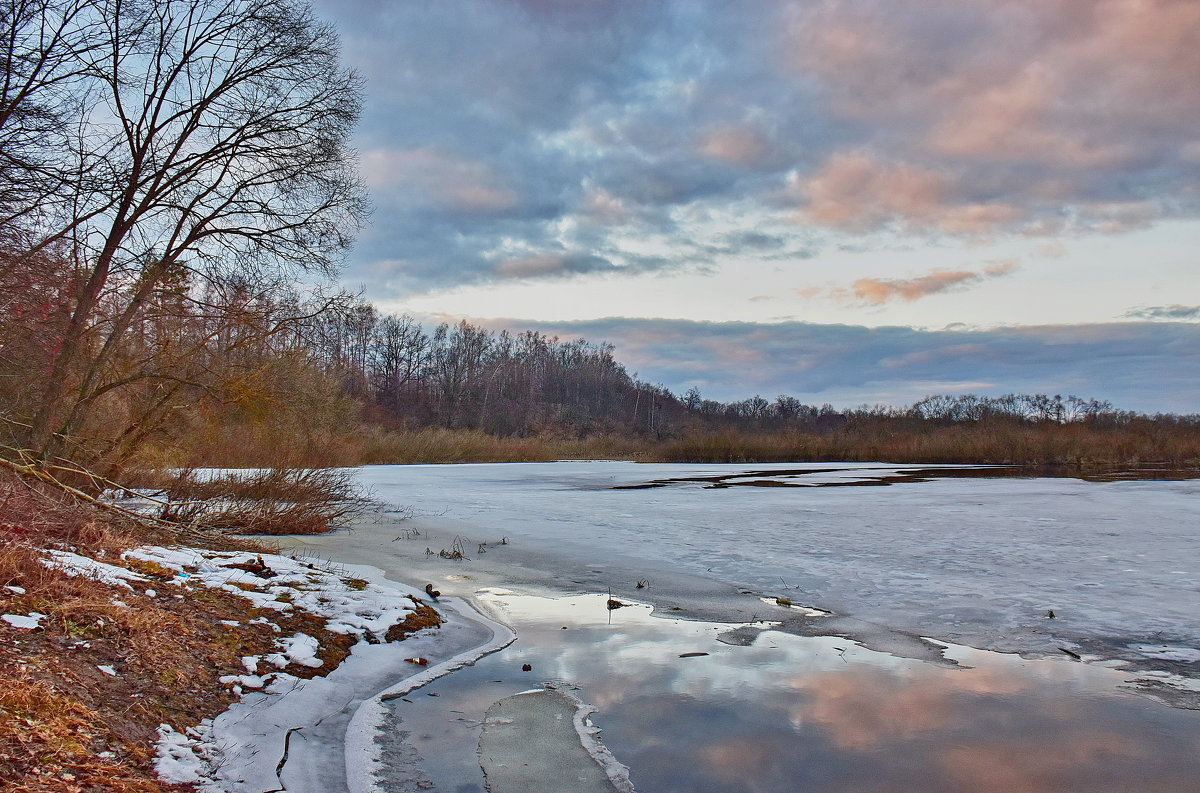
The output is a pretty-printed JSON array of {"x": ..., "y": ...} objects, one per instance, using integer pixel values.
[{"x": 850, "y": 202}]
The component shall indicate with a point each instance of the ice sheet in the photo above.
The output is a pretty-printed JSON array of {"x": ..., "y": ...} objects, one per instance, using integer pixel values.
[{"x": 974, "y": 561}]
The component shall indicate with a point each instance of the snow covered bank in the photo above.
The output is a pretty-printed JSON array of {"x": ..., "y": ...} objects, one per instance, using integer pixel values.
[{"x": 293, "y": 733}]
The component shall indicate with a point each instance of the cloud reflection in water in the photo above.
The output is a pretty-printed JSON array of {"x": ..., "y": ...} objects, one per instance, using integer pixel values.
[{"x": 791, "y": 713}]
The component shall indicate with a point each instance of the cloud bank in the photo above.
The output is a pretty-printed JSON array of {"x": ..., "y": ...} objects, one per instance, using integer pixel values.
[
  {"x": 1143, "y": 366},
  {"x": 502, "y": 137}
]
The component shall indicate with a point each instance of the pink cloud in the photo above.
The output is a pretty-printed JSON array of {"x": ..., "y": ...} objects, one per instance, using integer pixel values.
[
  {"x": 1013, "y": 65},
  {"x": 602, "y": 207},
  {"x": 877, "y": 291},
  {"x": 1051, "y": 250},
  {"x": 1031, "y": 113},
  {"x": 856, "y": 190}
]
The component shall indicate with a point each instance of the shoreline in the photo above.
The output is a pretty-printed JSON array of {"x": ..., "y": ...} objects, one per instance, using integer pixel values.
[
  {"x": 323, "y": 734},
  {"x": 313, "y": 735}
]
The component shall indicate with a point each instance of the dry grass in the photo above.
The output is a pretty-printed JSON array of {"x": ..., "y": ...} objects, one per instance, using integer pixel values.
[
  {"x": 893, "y": 438},
  {"x": 420, "y": 618},
  {"x": 376, "y": 446},
  {"x": 252, "y": 446},
  {"x": 437, "y": 445},
  {"x": 1069, "y": 445},
  {"x": 168, "y": 653},
  {"x": 52, "y": 743},
  {"x": 69, "y": 727}
]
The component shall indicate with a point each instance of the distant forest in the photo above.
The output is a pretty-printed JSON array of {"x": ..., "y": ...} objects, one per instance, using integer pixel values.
[
  {"x": 345, "y": 383},
  {"x": 465, "y": 377},
  {"x": 234, "y": 373}
]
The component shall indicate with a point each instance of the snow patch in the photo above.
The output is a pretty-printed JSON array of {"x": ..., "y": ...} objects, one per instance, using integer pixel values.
[
  {"x": 299, "y": 649},
  {"x": 319, "y": 589},
  {"x": 187, "y": 758},
  {"x": 75, "y": 565},
  {"x": 244, "y": 681},
  {"x": 27, "y": 622}
]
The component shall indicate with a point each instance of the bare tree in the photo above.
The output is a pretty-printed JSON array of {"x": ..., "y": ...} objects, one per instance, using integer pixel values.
[
  {"x": 225, "y": 125},
  {"x": 45, "y": 167}
]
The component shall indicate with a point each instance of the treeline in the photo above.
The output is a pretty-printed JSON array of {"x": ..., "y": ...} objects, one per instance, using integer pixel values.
[
  {"x": 463, "y": 392},
  {"x": 234, "y": 372},
  {"x": 462, "y": 376},
  {"x": 277, "y": 377}
]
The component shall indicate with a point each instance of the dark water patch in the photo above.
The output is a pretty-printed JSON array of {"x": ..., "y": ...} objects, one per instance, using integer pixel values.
[
  {"x": 877, "y": 476},
  {"x": 787, "y": 713}
]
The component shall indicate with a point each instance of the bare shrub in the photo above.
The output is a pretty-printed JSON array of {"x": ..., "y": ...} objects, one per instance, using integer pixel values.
[{"x": 271, "y": 501}]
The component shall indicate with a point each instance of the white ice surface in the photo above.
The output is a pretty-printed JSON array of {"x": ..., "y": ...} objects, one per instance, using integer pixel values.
[
  {"x": 1168, "y": 652},
  {"x": 973, "y": 561}
]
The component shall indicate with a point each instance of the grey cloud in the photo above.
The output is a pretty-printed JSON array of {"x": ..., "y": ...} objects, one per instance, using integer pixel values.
[
  {"x": 528, "y": 106},
  {"x": 551, "y": 265},
  {"x": 1136, "y": 365},
  {"x": 931, "y": 118},
  {"x": 1171, "y": 313}
]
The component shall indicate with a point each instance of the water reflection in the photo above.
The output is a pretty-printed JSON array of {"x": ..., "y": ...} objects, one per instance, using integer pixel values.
[{"x": 791, "y": 713}]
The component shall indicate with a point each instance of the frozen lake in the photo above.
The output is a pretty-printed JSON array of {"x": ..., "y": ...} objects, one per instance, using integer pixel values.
[
  {"x": 973, "y": 561},
  {"x": 895, "y": 667}
]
